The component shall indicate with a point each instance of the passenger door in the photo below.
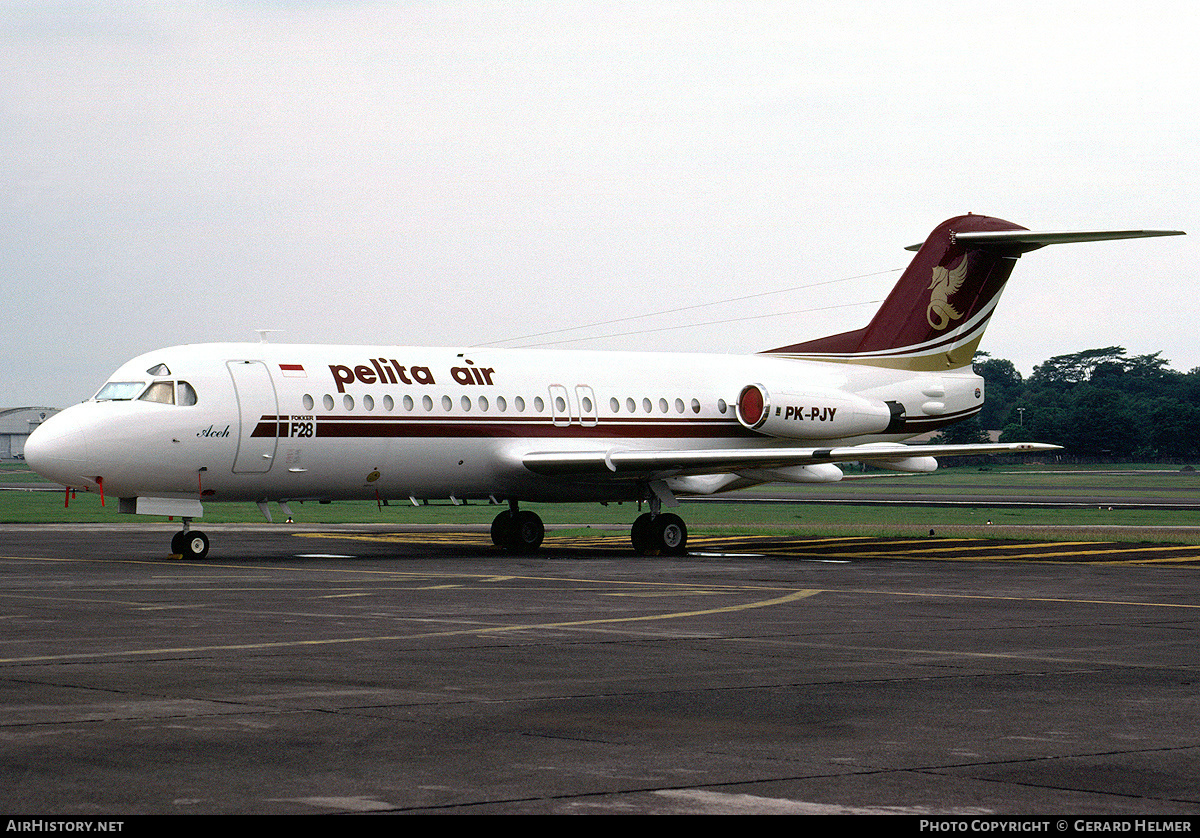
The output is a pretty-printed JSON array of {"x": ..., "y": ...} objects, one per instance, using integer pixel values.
[{"x": 258, "y": 409}]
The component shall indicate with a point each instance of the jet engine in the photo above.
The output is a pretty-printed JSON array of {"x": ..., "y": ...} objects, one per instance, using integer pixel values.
[{"x": 816, "y": 414}]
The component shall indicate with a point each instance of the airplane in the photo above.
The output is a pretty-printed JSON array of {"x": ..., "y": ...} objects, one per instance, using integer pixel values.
[{"x": 180, "y": 427}]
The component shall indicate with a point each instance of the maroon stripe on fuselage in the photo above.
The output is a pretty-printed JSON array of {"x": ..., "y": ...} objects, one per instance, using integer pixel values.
[
  {"x": 370, "y": 427},
  {"x": 463, "y": 428},
  {"x": 269, "y": 426}
]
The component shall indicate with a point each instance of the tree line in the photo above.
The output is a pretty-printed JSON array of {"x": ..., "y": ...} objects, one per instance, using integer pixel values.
[{"x": 1099, "y": 404}]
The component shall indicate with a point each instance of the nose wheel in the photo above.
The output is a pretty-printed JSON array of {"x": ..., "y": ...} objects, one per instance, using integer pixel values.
[{"x": 189, "y": 544}]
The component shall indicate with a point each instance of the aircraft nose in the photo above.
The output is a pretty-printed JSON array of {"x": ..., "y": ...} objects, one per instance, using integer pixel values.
[{"x": 58, "y": 450}]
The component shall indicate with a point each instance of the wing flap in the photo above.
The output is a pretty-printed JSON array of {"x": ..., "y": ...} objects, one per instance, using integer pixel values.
[{"x": 651, "y": 464}]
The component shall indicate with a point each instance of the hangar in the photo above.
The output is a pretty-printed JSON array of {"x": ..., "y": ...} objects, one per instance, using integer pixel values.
[{"x": 16, "y": 424}]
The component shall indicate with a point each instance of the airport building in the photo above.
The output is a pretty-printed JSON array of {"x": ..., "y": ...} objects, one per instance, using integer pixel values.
[{"x": 16, "y": 424}]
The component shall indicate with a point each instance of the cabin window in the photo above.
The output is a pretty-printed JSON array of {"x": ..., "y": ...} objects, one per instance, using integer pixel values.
[
  {"x": 308, "y": 403},
  {"x": 369, "y": 402},
  {"x": 695, "y": 405},
  {"x": 327, "y": 400},
  {"x": 120, "y": 391},
  {"x": 389, "y": 404},
  {"x": 519, "y": 403},
  {"x": 501, "y": 404},
  {"x": 348, "y": 401}
]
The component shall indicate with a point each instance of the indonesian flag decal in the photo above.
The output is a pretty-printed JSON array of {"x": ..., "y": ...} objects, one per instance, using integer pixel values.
[{"x": 293, "y": 371}]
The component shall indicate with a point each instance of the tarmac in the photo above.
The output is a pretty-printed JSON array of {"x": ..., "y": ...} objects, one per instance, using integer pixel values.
[{"x": 369, "y": 669}]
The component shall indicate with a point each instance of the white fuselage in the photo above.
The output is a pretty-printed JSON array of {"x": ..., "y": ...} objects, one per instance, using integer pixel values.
[{"x": 294, "y": 422}]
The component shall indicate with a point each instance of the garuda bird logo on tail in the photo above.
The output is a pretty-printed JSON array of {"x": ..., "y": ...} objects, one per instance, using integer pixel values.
[{"x": 944, "y": 285}]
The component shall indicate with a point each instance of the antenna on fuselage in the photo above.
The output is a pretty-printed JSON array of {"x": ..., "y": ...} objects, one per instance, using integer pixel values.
[{"x": 262, "y": 334}]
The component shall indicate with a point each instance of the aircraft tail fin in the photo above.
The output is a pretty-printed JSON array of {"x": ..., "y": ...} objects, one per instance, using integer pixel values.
[{"x": 935, "y": 316}]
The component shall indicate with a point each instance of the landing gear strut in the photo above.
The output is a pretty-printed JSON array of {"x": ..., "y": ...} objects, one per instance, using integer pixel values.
[
  {"x": 656, "y": 534},
  {"x": 189, "y": 543},
  {"x": 518, "y": 531}
]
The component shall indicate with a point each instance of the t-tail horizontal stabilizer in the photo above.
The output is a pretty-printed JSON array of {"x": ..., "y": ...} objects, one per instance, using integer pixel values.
[
  {"x": 1028, "y": 240},
  {"x": 935, "y": 315}
]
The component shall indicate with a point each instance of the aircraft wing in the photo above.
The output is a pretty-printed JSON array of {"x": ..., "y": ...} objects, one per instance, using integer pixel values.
[{"x": 655, "y": 464}]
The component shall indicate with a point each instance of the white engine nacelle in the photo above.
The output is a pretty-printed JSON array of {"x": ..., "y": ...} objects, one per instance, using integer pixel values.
[
  {"x": 817, "y": 414},
  {"x": 915, "y": 465},
  {"x": 819, "y": 473}
]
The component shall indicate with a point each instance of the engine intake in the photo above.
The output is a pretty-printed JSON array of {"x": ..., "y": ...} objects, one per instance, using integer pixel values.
[{"x": 817, "y": 414}]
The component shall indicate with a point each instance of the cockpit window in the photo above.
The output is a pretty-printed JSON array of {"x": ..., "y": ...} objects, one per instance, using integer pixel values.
[
  {"x": 159, "y": 369},
  {"x": 162, "y": 392},
  {"x": 120, "y": 391},
  {"x": 170, "y": 392}
]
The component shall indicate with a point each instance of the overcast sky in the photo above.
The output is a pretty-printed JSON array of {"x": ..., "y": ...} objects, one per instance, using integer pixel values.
[{"x": 460, "y": 173}]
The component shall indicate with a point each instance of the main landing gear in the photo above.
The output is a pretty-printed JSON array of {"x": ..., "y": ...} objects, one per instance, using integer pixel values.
[
  {"x": 659, "y": 535},
  {"x": 518, "y": 531},
  {"x": 653, "y": 533},
  {"x": 189, "y": 543},
  {"x": 656, "y": 533}
]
